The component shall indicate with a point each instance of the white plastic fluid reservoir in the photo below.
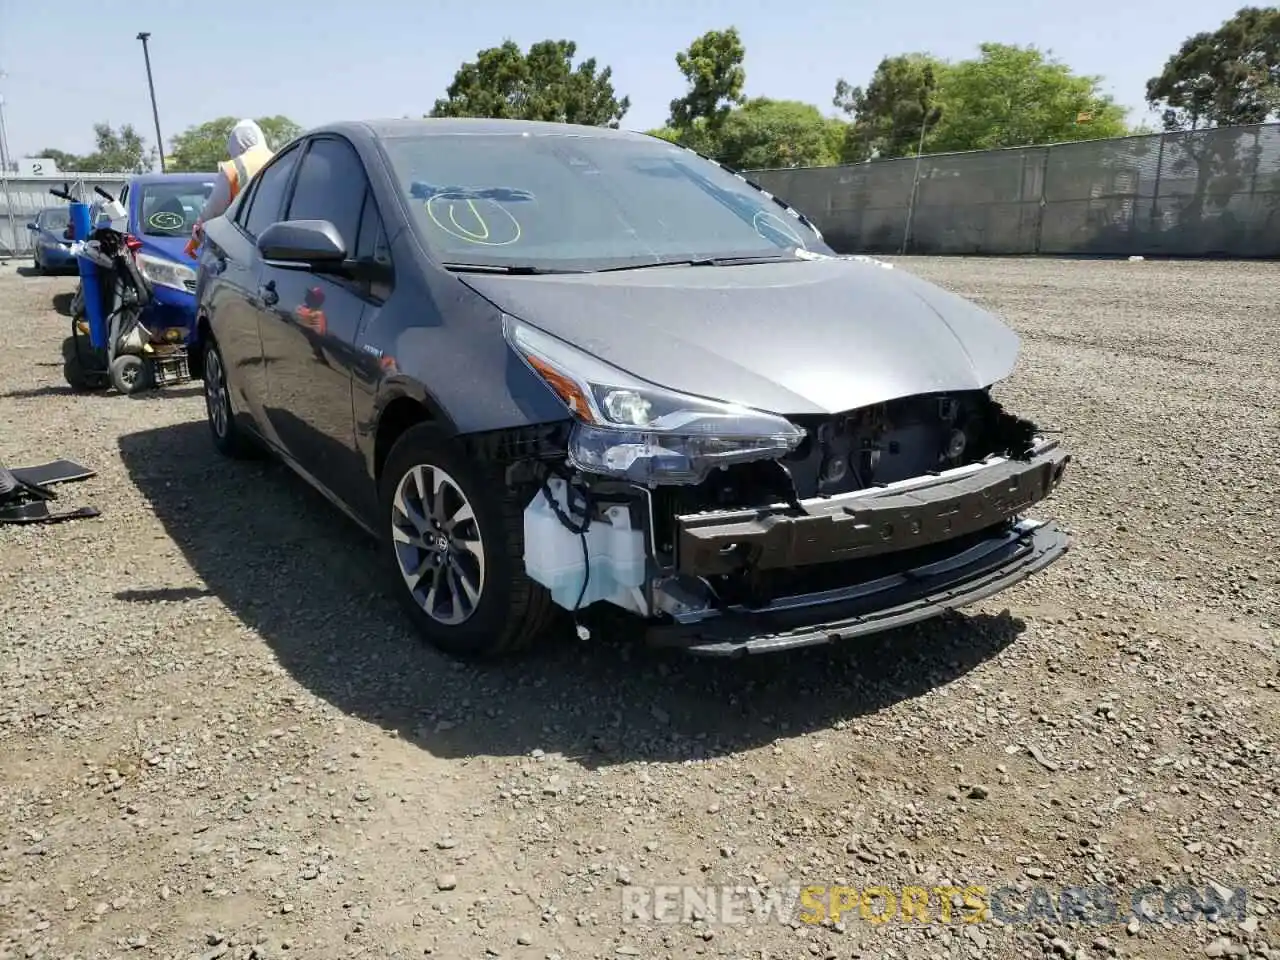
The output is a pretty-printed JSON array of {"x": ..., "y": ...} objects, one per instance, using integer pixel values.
[{"x": 553, "y": 554}]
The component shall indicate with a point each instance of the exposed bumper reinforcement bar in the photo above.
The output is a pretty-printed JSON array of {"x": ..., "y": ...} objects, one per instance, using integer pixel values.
[
  {"x": 893, "y": 601},
  {"x": 869, "y": 522}
]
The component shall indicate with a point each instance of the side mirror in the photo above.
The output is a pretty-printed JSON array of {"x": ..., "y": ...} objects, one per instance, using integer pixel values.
[
  {"x": 303, "y": 245},
  {"x": 31, "y": 225}
]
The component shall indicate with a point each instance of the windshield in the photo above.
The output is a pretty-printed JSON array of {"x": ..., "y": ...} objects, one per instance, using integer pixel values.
[
  {"x": 171, "y": 209},
  {"x": 56, "y": 218},
  {"x": 584, "y": 203}
]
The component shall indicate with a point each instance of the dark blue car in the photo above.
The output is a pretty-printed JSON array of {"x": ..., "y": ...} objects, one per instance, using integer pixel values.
[
  {"x": 50, "y": 244},
  {"x": 162, "y": 208}
]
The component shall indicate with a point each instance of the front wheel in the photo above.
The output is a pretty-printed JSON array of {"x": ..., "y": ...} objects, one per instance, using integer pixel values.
[
  {"x": 130, "y": 373},
  {"x": 454, "y": 538}
]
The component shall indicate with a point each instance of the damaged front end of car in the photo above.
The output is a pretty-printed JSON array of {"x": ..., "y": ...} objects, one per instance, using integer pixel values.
[{"x": 734, "y": 530}]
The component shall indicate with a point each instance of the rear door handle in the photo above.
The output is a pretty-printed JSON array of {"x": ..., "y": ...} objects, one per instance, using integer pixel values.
[{"x": 268, "y": 293}]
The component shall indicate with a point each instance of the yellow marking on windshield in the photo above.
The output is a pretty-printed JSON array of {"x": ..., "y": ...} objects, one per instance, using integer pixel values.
[
  {"x": 771, "y": 221},
  {"x": 485, "y": 232},
  {"x": 471, "y": 205},
  {"x": 165, "y": 220}
]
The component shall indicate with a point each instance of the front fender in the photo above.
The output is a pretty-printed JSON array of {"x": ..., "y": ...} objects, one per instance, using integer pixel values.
[{"x": 400, "y": 386}]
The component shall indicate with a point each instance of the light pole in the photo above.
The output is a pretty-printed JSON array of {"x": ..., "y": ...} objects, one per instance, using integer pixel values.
[
  {"x": 155, "y": 113},
  {"x": 10, "y": 214}
]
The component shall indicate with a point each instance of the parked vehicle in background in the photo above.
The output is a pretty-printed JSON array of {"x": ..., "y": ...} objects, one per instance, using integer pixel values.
[
  {"x": 551, "y": 365},
  {"x": 51, "y": 246},
  {"x": 162, "y": 207},
  {"x": 133, "y": 316}
]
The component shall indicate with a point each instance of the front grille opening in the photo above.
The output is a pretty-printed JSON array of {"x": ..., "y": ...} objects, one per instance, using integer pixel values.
[{"x": 756, "y": 588}]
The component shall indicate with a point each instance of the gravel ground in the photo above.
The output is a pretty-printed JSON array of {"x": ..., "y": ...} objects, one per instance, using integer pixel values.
[{"x": 218, "y": 739}]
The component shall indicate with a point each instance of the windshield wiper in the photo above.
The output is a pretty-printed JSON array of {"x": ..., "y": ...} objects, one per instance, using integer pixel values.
[
  {"x": 513, "y": 269},
  {"x": 700, "y": 262}
]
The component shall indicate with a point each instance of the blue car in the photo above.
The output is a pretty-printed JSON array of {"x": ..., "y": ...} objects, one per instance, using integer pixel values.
[
  {"x": 51, "y": 243},
  {"x": 162, "y": 209}
]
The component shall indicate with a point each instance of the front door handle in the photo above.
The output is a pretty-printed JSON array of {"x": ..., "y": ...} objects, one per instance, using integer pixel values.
[{"x": 268, "y": 293}]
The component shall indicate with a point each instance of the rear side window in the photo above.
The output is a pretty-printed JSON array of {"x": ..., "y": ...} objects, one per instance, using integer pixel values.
[
  {"x": 268, "y": 194},
  {"x": 331, "y": 186}
]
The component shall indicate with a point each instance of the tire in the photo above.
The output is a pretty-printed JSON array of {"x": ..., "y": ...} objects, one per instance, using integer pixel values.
[
  {"x": 228, "y": 438},
  {"x": 130, "y": 373},
  {"x": 41, "y": 269},
  {"x": 510, "y": 611},
  {"x": 74, "y": 373}
]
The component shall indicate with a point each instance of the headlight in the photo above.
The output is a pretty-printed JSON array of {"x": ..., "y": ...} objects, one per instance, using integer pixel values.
[
  {"x": 631, "y": 429},
  {"x": 165, "y": 273}
]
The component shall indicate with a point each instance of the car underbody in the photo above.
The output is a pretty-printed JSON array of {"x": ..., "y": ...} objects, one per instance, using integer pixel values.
[{"x": 881, "y": 516}]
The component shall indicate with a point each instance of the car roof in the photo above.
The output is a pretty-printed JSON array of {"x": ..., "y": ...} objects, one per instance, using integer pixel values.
[
  {"x": 452, "y": 126},
  {"x": 149, "y": 178}
]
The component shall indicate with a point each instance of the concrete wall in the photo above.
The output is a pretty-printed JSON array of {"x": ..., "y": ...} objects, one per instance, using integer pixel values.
[{"x": 1209, "y": 193}]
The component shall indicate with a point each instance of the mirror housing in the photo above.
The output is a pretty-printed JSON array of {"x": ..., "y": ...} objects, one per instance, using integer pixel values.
[
  {"x": 303, "y": 245},
  {"x": 31, "y": 225}
]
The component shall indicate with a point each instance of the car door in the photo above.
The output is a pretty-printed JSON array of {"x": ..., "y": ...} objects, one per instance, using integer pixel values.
[
  {"x": 309, "y": 322},
  {"x": 233, "y": 267}
]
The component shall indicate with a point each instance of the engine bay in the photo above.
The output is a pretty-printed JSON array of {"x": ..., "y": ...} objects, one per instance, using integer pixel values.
[{"x": 875, "y": 446}]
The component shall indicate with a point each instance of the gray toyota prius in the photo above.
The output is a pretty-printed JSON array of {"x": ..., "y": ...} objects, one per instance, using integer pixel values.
[{"x": 550, "y": 366}]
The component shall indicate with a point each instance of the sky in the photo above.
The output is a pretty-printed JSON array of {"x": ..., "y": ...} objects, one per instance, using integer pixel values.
[{"x": 67, "y": 65}]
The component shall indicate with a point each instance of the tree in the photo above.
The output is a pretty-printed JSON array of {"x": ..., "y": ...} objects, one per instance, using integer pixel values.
[
  {"x": 670, "y": 134},
  {"x": 776, "y": 133},
  {"x": 713, "y": 68},
  {"x": 1011, "y": 96},
  {"x": 888, "y": 116},
  {"x": 115, "y": 151},
  {"x": 201, "y": 148},
  {"x": 543, "y": 84},
  {"x": 1225, "y": 78},
  {"x": 1008, "y": 96}
]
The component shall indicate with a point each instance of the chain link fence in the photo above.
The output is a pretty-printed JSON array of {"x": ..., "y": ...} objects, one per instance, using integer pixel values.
[{"x": 1206, "y": 193}]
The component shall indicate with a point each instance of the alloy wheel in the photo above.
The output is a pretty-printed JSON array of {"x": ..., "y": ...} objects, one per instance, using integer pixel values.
[
  {"x": 437, "y": 544},
  {"x": 215, "y": 393}
]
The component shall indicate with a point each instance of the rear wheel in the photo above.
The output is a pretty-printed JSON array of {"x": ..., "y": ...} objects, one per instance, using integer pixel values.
[
  {"x": 74, "y": 372},
  {"x": 229, "y": 439},
  {"x": 454, "y": 538},
  {"x": 77, "y": 379}
]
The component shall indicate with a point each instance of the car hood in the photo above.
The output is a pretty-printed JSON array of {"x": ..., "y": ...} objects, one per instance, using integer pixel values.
[
  {"x": 803, "y": 337},
  {"x": 170, "y": 248}
]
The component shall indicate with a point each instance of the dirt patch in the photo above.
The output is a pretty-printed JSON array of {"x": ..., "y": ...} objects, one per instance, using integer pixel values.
[{"x": 219, "y": 739}]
